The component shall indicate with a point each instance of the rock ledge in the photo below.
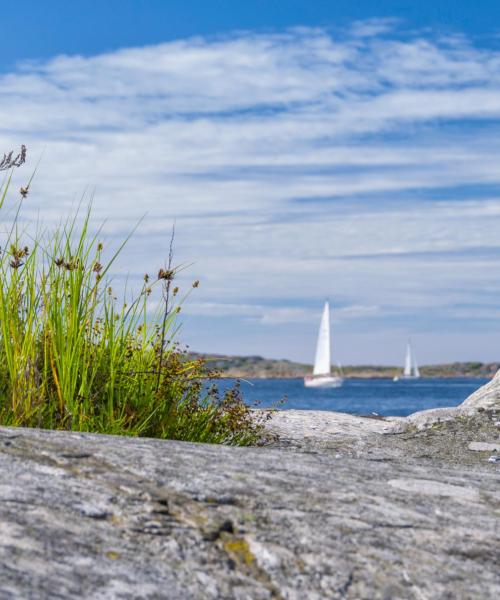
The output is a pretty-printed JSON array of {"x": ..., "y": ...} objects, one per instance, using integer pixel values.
[{"x": 359, "y": 512}]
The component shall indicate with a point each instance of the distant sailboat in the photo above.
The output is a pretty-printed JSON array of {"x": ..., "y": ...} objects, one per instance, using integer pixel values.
[
  {"x": 411, "y": 368},
  {"x": 322, "y": 377}
]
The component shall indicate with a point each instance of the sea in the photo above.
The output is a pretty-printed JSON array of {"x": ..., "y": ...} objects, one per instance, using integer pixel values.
[{"x": 359, "y": 396}]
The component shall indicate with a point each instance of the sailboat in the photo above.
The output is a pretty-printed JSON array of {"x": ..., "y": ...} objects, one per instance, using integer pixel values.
[
  {"x": 322, "y": 377},
  {"x": 411, "y": 368}
]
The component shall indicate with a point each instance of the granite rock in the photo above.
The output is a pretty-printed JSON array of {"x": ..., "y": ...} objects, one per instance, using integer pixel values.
[
  {"x": 93, "y": 516},
  {"x": 355, "y": 510}
]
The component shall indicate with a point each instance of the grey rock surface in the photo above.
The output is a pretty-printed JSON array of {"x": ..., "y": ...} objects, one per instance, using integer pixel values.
[
  {"x": 318, "y": 425},
  {"x": 484, "y": 446},
  {"x": 357, "y": 511},
  {"x": 103, "y": 517},
  {"x": 486, "y": 397}
]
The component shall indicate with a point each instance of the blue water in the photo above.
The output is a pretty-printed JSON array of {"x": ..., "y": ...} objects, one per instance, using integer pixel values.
[{"x": 361, "y": 396}]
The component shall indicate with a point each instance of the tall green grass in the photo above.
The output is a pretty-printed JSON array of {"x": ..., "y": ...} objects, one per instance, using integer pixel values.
[{"x": 73, "y": 357}]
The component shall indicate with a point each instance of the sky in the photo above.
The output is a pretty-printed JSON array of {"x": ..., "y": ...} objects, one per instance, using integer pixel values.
[{"x": 304, "y": 150}]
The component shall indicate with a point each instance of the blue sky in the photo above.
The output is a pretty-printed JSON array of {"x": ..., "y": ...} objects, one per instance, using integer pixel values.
[
  {"x": 39, "y": 30},
  {"x": 348, "y": 150}
]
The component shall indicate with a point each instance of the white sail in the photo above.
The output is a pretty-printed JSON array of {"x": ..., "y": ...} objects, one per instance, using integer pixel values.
[
  {"x": 322, "y": 377},
  {"x": 416, "y": 372},
  {"x": 408, "y": 361},
  {"x": 322, "y": 360},
  {"x": 411, "y": 368}
]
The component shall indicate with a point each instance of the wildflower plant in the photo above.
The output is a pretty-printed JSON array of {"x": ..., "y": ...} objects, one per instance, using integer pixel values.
[{"x": 73, "y": 357}]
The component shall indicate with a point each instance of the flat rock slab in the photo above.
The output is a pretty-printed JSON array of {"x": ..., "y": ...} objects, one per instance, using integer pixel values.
[
  {"x": 88, "y": 516},
  {"x": 327, "y": 425},
  {"x": 484, "y": 446}
]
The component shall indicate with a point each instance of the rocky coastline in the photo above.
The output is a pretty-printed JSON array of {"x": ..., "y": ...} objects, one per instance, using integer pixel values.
[
  {"x": 257, "y": 367},
  {"x": 337, "y": 506}
]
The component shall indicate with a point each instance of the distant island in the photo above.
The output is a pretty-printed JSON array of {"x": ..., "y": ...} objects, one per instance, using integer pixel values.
[{"x": 257, "y": 367}]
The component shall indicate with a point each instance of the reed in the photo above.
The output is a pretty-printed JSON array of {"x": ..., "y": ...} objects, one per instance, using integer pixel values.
[{"x": 73, "y": 357}]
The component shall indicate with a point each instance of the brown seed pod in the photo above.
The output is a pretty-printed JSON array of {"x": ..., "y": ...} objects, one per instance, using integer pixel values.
[{"x": 166, "y": 274}]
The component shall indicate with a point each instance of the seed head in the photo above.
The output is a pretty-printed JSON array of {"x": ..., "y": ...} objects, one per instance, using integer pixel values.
[
  {"x": 16, "y": 263},
  {"x": 72, "y": 264},
  {"x": 8, "y": 161},
  {"x": 166, "y": 274},
  {"x": 17, "y": 254}
]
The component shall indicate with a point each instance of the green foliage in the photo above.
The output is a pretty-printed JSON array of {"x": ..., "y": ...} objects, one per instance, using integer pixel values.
[
  {"x": 72, "y": 357},
  {"x": 475, "y": 365}
]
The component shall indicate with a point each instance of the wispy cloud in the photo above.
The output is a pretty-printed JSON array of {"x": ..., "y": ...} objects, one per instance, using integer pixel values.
[
  {"x": 373, "y": 27},
  {"x": 282, "y": 156}
]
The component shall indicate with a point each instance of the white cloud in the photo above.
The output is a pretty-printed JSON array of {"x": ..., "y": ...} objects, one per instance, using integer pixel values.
[
  {"x": 283, "y": 157},
  {"x": 267, "y": 315},
  {"x": 275, "y": 315},
  {"x": 373, "y": 27}
]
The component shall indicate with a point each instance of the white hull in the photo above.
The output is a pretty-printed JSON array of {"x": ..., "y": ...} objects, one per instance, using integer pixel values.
[
  {"x": 325, "y": 381},
  {"x": 405, "y": 377}
]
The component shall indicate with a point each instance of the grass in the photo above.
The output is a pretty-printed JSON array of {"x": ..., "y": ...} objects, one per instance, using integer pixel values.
[{"x": 73, "y": 357}]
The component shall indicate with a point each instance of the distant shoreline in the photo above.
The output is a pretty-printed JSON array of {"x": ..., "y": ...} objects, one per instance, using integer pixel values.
[
  {"x": 378, "y": 377},
  {"x": 257, "y": 367}
]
